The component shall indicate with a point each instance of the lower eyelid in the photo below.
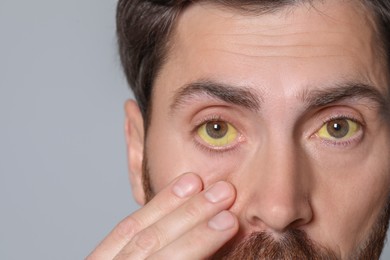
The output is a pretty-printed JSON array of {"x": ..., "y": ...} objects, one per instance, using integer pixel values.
[
  {"x": 343, "y": 143},
  {"x": 200, "y": 143},
  {"x": 215, "y": 150}
]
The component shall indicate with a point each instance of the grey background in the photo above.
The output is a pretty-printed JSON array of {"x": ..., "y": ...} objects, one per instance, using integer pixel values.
[{"x": 63, "y": 171}]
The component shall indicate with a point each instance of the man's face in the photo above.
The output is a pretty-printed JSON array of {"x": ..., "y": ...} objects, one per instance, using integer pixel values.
[{"x": 287, "y": 107}]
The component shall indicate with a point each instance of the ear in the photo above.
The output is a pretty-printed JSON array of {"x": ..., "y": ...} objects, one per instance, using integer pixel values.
[{"x": 134, "y": 131}]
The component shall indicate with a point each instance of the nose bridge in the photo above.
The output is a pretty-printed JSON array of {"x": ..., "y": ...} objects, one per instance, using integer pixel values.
[{"x": 278, "y": 181}]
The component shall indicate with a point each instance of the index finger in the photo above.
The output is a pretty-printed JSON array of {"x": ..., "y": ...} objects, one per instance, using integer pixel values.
[{"x": 175, "y": 194}]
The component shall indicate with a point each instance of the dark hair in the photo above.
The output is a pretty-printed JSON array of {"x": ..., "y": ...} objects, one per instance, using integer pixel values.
[{"x": 144, "y": 28}]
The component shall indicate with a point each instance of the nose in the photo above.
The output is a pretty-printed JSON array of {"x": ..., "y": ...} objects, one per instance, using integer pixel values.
[{"x": 276, "y": 190}]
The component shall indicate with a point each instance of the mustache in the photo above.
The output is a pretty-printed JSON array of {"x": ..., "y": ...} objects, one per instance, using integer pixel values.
[{"x": 293, "y": 244}]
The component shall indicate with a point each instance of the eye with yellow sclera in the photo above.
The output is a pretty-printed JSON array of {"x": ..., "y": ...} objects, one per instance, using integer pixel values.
[
  {"x": 218, "y": 134},
  {"x": 339, "y": 130}
]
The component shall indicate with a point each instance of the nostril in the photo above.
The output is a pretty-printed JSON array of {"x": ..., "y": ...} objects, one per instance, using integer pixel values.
[
  {"x": 279, "y": 217},
  {"x": 256, "y": 223},
  {"x": 259, "y": 225},
  {"x": 296, "y": 223}
]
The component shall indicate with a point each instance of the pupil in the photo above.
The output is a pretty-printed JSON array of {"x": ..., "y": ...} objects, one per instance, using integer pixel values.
[
  {"x": 217, "y": 129},
  {"x": 338, "y": 128}
]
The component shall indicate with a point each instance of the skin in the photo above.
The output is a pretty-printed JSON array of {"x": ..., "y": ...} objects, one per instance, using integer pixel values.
[{"x": 280, "y": 172}]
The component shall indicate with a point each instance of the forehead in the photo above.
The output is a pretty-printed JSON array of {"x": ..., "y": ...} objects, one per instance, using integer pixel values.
[{"x": 290, "y": 49}]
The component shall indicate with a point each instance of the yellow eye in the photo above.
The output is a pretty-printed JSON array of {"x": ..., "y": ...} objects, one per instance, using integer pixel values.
[
  {"x": 217, "y": 133},
  {"x": 339, "y": 129}
]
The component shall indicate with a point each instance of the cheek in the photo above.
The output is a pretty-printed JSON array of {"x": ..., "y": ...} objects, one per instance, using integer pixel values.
[
  {"x": 349, "y": 197},
  {"x": 169, "y": 156}
]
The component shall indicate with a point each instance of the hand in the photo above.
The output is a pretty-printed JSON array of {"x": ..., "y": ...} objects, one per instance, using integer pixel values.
[{"x": 181, "y": 222}]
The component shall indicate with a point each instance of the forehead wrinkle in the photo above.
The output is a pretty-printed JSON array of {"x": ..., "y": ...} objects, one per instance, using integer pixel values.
[
  {"x": 288, "y": 53},
  {"x": 248, "y": 31},
  {"x": 290, "y": 45},
  {"x": 242, "y": 96}
]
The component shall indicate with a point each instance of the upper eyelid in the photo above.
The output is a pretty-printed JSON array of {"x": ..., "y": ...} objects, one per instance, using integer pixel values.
[
  {"x": 352, "y": 118},
  {"x": 205, "y": 121},
  {"x": 357, "y": 119},
  {"x": 215, "y": 116},
  {"x": 335, "y": 112}
]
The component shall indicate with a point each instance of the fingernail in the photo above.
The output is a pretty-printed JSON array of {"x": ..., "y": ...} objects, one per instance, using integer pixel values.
[
  {"x": 219, "y": 192},
  {"x": 222, "y": 221},
  {"x": 185, "y": 186}
]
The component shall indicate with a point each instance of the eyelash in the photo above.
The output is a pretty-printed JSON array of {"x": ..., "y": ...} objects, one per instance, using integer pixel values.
[
  {"x": 204, "y": 147},
  {"x": 346, "y": 142},
  {"x": 232, "y": 148}
]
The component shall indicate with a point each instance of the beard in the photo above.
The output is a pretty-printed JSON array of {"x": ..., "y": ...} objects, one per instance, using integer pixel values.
[{"x": 294, "y": 243}]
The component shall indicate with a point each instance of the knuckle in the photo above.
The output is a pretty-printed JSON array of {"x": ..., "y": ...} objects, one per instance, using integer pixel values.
[
  {"x": 127, "y": 228},
  {"x": 148, "y": 240},
  {"x": 193, "y": 210},
  {"x": 141, "y": 245}
]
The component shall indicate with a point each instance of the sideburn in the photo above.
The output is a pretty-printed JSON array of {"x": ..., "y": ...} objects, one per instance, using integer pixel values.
[{"x": 146, "y": 181}]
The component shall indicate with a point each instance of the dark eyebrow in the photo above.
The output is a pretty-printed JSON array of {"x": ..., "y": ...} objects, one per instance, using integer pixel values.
[
  {"x": 349, "y": 90},
  {"x": 246, "y": 97},
  {"x": 243, "y": 96}
]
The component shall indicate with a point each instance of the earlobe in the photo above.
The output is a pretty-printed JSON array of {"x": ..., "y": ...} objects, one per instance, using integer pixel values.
[{"x": 134, "y": 132}]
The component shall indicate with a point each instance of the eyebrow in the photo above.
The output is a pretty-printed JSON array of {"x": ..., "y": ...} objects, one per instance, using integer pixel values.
[
  {"x": 347, "y": 91},
  {"x": 241, "y": 96},
  {"x": 246, "y": 97}
]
